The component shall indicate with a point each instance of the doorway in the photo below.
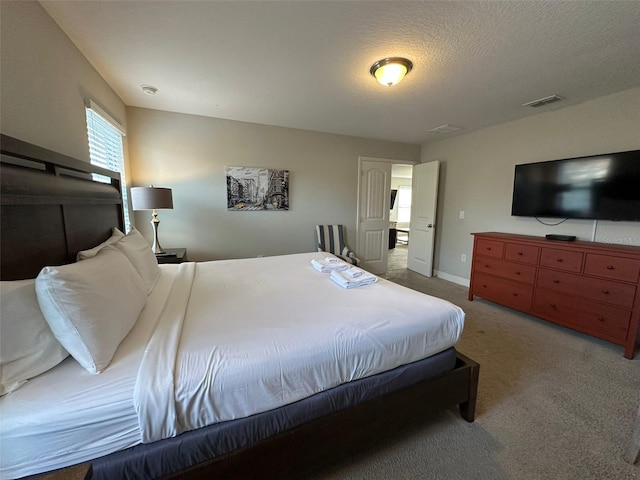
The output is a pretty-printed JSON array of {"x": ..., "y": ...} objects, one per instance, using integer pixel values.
[
  {"x": 373, "y": 213},
  {"x": 373, "y": 210}
]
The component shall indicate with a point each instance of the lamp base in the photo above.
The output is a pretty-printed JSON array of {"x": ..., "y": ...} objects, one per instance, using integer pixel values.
[{"x": 157, "y": 248}]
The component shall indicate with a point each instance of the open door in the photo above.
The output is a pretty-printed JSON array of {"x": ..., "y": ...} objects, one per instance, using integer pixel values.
[
  {"x": 424, "y": 198},
  {"x": 374, "y": 186}
]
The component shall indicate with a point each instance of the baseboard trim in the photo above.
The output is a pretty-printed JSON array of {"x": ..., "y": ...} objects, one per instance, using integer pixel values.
[{"x": 452, "y": 278}]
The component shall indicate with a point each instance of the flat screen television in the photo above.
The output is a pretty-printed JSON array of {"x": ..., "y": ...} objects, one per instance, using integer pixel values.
[{"x": 601, "y": 187}]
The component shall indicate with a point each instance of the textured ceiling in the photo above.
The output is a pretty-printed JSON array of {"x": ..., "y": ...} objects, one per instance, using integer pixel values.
[{"x": 305, "y": 64}]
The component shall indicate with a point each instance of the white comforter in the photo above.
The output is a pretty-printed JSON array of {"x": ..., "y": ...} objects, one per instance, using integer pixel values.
[{"x": 245, "y": 336}]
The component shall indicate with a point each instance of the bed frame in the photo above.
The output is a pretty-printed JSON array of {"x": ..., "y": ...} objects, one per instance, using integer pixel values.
[{"x": 52, "y": 208}]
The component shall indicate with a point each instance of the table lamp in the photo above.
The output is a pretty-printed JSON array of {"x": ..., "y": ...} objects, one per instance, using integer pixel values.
[{"x": 152, "y": 198}]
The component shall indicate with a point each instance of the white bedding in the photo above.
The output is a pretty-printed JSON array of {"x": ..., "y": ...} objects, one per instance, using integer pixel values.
[
  {"x": 67, "y": 415},
  {"x": 266, "y": 332}
]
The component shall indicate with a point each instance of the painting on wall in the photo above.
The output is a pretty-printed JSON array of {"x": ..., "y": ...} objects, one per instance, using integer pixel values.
[{"x": 257, "y": 189}]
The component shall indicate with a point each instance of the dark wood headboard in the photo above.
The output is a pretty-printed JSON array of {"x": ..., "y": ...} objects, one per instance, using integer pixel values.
[{"x": 51, "y": 208}]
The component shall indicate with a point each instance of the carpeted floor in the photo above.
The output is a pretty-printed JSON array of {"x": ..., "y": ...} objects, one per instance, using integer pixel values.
[{"x": 552, "y": 404}]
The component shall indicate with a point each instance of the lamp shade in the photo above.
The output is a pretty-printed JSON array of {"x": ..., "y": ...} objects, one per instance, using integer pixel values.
[{"x": 151, "y": 198}]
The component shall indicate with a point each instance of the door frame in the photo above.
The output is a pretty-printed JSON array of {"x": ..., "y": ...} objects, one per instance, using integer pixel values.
[{"x": 392, "y": 161}]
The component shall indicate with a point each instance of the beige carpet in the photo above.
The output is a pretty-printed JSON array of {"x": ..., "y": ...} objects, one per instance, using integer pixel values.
[{"x": 552, "y": 404}]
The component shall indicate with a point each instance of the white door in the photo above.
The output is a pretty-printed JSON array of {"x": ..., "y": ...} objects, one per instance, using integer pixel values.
[
  {"x": 424, "y": 197},
  {"x": 374, "y": 186}
]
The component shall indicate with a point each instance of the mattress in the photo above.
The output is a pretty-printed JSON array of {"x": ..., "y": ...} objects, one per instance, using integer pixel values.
[
  {"x": 245, "y": 336},
  {"x": 268, "y": 331},
  {"x": 176, "y": 454}
]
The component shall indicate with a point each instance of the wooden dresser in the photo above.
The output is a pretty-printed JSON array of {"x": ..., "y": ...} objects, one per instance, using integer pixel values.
[{"x": 590, "y": 287}]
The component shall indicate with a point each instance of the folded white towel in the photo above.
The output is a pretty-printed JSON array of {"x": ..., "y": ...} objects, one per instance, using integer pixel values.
[
  {"x": 325, "y": 267},
  {"x": 354, "y": 272},
  {"x": 344, "y": 281},
  {"x": 331, "y": 259}
]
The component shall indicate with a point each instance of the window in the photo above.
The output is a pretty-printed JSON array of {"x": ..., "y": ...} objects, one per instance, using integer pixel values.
[
  {"x": 404, "y": 203},
  {"x": 105, "y": 148}
]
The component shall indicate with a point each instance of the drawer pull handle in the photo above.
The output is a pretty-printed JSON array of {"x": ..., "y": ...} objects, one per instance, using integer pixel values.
[
  {"x": 601, "y": 319},
  {"x": 553, "y": 305},
  {"x": 605, "y": 291},
  {"x": 609, "y": 267},
  {"x": 484, "y": 286},
  {"x": 487, "y": 266},
  {"x": 556, "y": 281},
  {"x": 514, "y": 294},
  {"x": 488, "y": 248},
  {"x": 517, "y": 273},
  {"x": 520, "y": 253},
  {"x": 559, "y": 260}
]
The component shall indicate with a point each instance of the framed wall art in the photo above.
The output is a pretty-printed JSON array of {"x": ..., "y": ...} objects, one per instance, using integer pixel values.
[{"x": 250, "y": 189}]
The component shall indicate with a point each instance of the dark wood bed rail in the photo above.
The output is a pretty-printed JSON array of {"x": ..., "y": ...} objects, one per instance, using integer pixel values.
[{"x": 51, "y": 208}]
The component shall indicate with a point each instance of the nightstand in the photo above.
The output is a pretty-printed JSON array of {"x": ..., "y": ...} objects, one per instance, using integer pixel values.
[{"x": 179, "y": 257}]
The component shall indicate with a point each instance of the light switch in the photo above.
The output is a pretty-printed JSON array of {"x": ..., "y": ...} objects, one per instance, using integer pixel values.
[{"x": 461, "y": 214}]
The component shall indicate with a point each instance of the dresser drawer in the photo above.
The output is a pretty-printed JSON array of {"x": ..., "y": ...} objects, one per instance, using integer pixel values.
[
  {"x": 604, "y": 321},
  {"x": 514, "y": 271},
  {"x": 502, "y": 291},
  {"x": 590, "y": 287},
  {"x": 521, "y": 253},
  {"x": 615, "y": 293},
  {"x": 561, "y": 259},
  {"x": 489, "y": 248},
  {"x": 625, "y": 269}
]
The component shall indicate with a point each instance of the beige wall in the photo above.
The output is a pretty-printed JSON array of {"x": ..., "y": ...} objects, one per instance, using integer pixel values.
[
  {"x": 189, "y": 153},
  {"x": 45, "y": 80},
  {"x": 477, "y": 174}
]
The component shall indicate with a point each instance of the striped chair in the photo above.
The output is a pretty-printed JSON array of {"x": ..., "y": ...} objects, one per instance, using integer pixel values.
[{"x": 330, "y": 238}]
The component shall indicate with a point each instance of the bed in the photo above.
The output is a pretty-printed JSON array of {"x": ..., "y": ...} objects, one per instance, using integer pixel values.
[{"x": 251, "y": 368}]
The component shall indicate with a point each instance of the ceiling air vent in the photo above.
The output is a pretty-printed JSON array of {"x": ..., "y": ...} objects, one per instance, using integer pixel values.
[
  {"x": 542, "y": 101},
  {"x": 445, "y": 129}
]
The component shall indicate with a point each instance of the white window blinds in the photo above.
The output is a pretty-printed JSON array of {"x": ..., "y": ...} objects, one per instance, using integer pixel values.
[{"x": 105, "y": 148}]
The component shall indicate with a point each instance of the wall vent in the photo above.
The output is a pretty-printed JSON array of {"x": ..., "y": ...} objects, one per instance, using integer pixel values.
[
  {"x": 542, "y": 101},
  {"x": 445, "y": 129}
]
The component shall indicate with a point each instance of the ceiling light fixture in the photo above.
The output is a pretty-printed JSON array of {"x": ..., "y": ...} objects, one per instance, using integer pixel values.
[
  {"x": 149, "y": 90},
  {"x": 390, "y": 71}
]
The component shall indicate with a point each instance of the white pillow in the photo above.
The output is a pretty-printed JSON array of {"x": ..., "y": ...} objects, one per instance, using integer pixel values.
[
  {"x": 27, "y": 345},
  {"x": 91, "y": 305},
  {"x": 116, "y": 235},
  {"x": 139, "y": 253}
]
